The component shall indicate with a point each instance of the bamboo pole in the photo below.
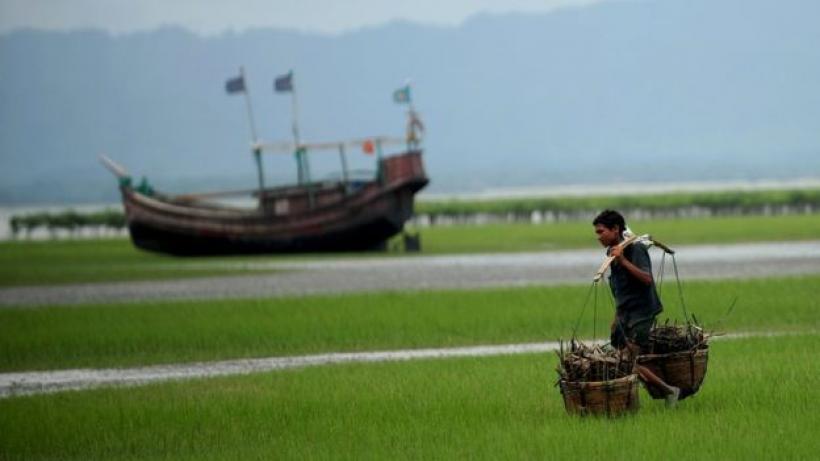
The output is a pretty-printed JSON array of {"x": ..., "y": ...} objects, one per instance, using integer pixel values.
[{"x": 608, "y": 260}]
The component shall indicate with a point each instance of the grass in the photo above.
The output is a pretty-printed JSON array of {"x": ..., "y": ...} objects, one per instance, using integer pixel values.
[
  {"x": 759, "y": 401},
  {"x": 568, "y": 235},
  {"x": 176, "y": 331},
  {"x": 77, "y": 261},
  {"x": 99, "y": 260}
]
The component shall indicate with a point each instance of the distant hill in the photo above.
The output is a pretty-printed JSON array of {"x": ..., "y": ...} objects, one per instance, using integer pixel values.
[{"x": 629, "y": 91}]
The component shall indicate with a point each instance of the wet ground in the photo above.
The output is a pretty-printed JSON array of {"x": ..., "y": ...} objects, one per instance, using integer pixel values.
[{"x": 345, "y": 275}]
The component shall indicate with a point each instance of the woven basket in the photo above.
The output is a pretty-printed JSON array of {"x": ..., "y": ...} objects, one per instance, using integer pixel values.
[
  {"x": 685, "y": 370},
  {"x": 610, "y": 398}
]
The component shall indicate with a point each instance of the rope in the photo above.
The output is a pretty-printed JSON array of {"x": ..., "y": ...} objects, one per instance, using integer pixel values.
[
  {"x": 583, "y": 309},
  {"x": 659, "y": 278},
  {"x": 680, "y": 290},
  {"x": 611, "y": 299},
  {"x": 595, "y": 317}
]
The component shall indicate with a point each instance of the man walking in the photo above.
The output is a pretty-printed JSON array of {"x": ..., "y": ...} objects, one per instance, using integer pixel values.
[{"x": 637, "y": 302}]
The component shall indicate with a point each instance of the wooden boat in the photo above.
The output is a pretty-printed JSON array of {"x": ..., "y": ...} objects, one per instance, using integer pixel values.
[
  {"x": 329, "y": 216},
  {"x": 332, "y": 216}
]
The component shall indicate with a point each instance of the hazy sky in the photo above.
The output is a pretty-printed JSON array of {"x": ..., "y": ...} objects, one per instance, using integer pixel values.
[{"x": 215, "y": 16}]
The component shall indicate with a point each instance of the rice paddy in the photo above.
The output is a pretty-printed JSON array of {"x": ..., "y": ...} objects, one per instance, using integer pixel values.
[
  {"x": 172, "y": 331},
  {"x": 758, "y": 400}
]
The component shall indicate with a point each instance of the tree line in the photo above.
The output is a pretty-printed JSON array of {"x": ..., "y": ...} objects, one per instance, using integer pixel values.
[
  {"x": 682, "y": 204},
  {"x": 70, "y": 221}
]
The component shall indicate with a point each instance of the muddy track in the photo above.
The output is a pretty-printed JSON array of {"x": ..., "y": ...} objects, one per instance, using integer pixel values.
[{"x": 345, "y": 275}]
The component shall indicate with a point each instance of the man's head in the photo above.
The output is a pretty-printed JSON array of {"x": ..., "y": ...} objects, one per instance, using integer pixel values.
[{"x": 609, "y": 225}]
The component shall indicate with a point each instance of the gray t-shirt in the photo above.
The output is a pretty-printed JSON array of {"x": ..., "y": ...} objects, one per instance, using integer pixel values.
[{"x": 634, "y": 299}]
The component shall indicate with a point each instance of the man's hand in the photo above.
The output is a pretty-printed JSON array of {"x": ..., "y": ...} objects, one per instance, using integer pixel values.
[{"x": 616, "y": 252}]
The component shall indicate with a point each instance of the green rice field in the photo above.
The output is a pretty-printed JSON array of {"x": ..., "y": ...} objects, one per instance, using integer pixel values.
[
  {"x": 567, "y": 235},
  {"x": 78, "y": 261},
  {"x": 759, "y": 401},
  {"x": 173, "y": 331},
  {"x": 99, "y": 260}
]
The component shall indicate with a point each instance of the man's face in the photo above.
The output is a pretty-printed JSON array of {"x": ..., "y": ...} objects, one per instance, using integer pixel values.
[{"x": 608, "y": 237}]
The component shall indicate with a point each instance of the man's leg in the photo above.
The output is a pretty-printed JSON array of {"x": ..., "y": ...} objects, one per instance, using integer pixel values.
[
  {"x": 639, "y": 334},
  {"x": 672, "y": 392}
]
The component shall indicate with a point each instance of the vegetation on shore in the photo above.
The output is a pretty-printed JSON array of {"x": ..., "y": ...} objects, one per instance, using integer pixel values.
[
  {"x": 70, "y": 221},
  {"x": 520, "y": 237},
  {"x": 668, "y": 205}
]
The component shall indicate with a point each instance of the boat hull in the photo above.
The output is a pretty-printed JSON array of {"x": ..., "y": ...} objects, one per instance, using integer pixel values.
[{"x": 337, "y": 220}]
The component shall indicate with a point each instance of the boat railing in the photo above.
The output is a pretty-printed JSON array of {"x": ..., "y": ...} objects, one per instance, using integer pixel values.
[{"x": 370, "y": 145}]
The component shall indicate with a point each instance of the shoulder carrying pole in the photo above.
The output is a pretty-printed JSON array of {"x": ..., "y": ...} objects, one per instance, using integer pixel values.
[{"x": 608, "y": 261}]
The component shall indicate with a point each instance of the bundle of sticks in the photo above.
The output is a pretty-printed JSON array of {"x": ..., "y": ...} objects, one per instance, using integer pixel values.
[
  {"x": 666, "y": 338},
  {"x": 580, "y": 362}
]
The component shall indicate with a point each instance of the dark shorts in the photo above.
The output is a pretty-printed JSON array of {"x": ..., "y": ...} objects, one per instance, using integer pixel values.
[{"x": 634, "y": 330}]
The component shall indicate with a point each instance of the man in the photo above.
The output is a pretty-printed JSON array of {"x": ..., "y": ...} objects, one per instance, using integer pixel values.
[{"x": 634, "y": 290}]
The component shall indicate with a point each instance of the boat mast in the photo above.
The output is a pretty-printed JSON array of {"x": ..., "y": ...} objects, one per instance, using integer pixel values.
[
  {"x": 248, "y": 103},
  {"x": 415, "y": 128},
  {"x": 294, "y": 111},
  {"x": 301, "y": 151},
  {"x": 343, "y": 158},
  {"x": 257, "y": 153},
  {"x": 236, "y": 85},
  {"x": 284, "y": 84}
]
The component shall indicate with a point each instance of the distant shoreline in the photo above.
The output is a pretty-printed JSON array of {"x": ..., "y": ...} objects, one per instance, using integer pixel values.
[
  {"x": 494, "y": 193},
  {"x": 624, "y": 188}
]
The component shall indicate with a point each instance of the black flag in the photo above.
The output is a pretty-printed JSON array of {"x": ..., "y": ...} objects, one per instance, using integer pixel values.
[
  {"x": 235, "y": 85},
  {"x": 283, "y": 83}
]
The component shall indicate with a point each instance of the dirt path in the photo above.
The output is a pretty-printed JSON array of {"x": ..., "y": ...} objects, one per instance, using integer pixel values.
[{"x": 346, "y": 275}]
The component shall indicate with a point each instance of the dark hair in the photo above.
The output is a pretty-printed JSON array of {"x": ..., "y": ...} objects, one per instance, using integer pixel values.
[{"x": 610, "y": 219}]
